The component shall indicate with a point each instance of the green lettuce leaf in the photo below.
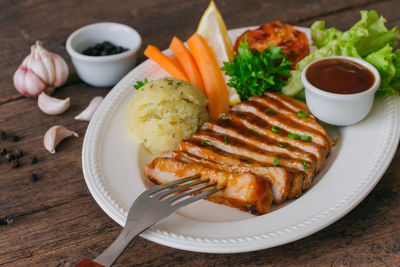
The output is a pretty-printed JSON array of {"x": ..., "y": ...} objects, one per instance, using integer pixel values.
[
  {"x": 395, "y": 83},
  {"x": 294, "y": 84},
  {"x": 321, "y": 36},
  {"x": 383, "y": 62},
  {"x": 388, "y": 65},
  {"x": 377, "y": 34}
]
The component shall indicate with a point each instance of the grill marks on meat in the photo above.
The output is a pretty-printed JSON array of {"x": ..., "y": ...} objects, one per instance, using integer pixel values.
[
  {"x": 281, "y": 121},
  {"x": 290, "y": 103},
  {"x": 256, "y": 139},
  {"x": 252, "y": 153},
  {"x": 309, "y": 122},
  {"x": 255, "y": 123},
  {"x": 244, "y": 148}
]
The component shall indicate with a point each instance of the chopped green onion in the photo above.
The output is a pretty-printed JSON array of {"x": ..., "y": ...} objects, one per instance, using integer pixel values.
[
  {"x": 253, "y": 131},
  {"x": 305, "y": 165},
  {"x": 270, "y": 111},
  {"x": 301, "y": 114},
  {"x": 206, "y": 142},
  {"x": 248, "y": 205},
  {"x": 305, "y": 138},
  {"x": 225, "y": 118},
  {"x": 226, "y": 139},
  {"x": 217, "y": 150},
  {"x": 293, "y": 136},
  {"x": 276, "y": 161},
  {"x": 283, "y": 144},
  {"x": 276, "y": 129}
]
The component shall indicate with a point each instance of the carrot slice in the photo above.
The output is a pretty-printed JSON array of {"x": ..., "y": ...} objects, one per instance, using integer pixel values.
[
  {"x": 166, "y": 63},
  {"x": 214, "y": 83},
  {"x": 187, "y": 62},
  {"x": 176, "y": 62}
]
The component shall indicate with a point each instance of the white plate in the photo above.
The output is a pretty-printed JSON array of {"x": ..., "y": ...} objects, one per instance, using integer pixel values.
[{"x": 113, "y": 170}]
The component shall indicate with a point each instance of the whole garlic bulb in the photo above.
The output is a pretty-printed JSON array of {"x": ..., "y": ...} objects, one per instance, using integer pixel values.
[{"x": 41, "y": 71}]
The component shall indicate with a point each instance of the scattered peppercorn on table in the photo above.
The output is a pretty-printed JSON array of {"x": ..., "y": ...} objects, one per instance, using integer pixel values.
[{"x": 47, "y": 215}]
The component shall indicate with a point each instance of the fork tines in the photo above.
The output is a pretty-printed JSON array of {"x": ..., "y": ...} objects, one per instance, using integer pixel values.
[{"x": 176, "y": 190}]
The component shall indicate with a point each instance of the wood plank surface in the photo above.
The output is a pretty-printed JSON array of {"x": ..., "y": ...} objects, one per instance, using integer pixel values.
[{"x": 56, "y": 222}]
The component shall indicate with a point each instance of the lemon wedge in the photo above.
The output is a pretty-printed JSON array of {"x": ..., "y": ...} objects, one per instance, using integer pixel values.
[{"x": 212, "y": 28}]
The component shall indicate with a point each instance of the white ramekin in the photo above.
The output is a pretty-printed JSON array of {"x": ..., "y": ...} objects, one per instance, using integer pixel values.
[
  {"x": 103, "y": 71},
  {"x": 340, "y": 109}
]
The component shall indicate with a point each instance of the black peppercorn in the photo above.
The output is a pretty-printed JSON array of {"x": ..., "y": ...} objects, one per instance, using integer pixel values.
[
  {"x": 18, "y": 153},
  {"x": 33, "y": 177},
  {"x": 34, "y": 159},
  {"x": 95, "y": 52},
  {"x": 109, "y": 50},
  {"x": 14, "y": 138},
  {"x": 6, "y": 220},
  {"x": 15, "y": 164},
  {"x": 103, "y": 49},
  {"x": 10, "y": 157},
  {"x": 3, "y": 135},
  {"x": 99, "y": 46},
  {"x": 87, "y": 51},
  {"x": 3, "y": 151}
]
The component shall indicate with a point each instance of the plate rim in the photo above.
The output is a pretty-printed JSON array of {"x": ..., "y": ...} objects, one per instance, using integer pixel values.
[{"x": 92, "y": 171}]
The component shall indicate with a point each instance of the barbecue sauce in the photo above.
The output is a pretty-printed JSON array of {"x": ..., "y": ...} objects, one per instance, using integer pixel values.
[{"x": 340, "y": 76}]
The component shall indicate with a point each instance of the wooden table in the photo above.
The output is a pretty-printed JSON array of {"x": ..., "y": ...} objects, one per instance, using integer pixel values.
[{"x": 56, "y": 222}]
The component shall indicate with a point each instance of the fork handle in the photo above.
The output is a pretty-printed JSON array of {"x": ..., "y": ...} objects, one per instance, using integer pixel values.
[
  {"x": 88, "y": 263},
  {"x": 109, "y": 255}
]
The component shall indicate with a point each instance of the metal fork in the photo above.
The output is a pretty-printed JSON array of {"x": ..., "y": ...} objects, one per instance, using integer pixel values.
[{"x": 149, "y": 208}]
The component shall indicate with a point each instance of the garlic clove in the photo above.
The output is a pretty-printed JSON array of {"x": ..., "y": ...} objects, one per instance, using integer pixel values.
[
  {"x": 33, "y": 83},
  {"x": 27, "y": 82},
  {"x": 87, "y": 114},
  {"x": 50, "y": 70},
  {"x": 55, "y": 135},
  {"x": 61, "y": 69},
  {"x": 38, "y": 66},
  {"x": 45, "y": 57},
  {"x": 19, "y": 79},
  {"x": 51, "y": 105}
]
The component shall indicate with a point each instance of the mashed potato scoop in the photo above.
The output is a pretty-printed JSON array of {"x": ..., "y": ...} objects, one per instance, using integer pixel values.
[{"x": 164, "y": 112}]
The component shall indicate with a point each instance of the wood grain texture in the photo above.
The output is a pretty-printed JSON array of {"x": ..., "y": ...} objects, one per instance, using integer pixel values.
[{"x": 56, "y": 222}]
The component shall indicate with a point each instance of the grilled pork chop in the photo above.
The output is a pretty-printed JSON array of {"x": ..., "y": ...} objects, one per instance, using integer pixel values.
[
  {"x": 244, "y": 191},
  {"x": 268, "y": 148}
]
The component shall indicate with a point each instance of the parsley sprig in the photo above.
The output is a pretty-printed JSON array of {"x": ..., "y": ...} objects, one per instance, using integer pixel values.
[{"x": 252, "y": 72}]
